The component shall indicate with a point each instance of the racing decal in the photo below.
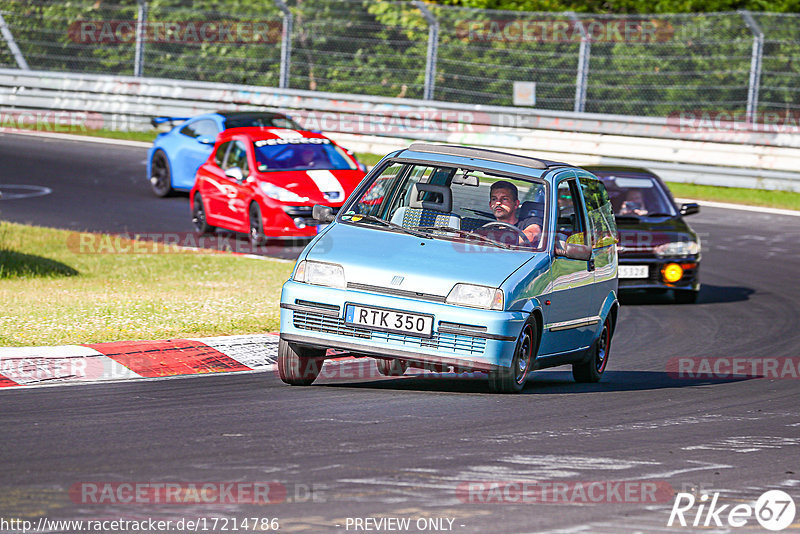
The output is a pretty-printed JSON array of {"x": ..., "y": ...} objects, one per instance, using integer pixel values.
[
  {"x": 169, "y": 357},
  {"x": 328, "y": 184},
  {"x": 293, "y": 141}
]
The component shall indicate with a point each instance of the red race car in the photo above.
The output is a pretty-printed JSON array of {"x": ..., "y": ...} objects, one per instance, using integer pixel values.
[{"x": 265, "y": 181}]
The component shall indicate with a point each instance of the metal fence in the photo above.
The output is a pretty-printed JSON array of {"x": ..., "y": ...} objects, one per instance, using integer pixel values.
[{"x": 647, "y": 65}]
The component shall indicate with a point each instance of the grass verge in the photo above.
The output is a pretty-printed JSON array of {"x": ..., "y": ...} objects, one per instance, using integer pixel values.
[
  {"x": 52, "y": 294},
  {"x": 737, "y": 195}
]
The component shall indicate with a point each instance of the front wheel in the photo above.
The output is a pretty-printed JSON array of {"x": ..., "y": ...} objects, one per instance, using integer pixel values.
[
  {"x": 592, "y": 369},
  {"x": 299, "y": 366},
  {"x": 512, "y": 379}
]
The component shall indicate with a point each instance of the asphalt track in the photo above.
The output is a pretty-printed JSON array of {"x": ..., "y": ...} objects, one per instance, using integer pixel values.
[{"x": 400, "y": 448}]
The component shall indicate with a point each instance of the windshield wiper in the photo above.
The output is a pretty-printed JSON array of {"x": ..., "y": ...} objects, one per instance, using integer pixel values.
[
  {"x": 463, "y": 233},
  {"x": 391, "y": 225}
]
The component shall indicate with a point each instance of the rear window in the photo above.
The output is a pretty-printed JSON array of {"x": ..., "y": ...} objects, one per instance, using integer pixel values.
[{"x": 262, "y": 120}]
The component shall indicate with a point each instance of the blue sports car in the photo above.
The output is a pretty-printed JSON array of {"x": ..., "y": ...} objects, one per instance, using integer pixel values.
[{"x": 175, "y": 156}]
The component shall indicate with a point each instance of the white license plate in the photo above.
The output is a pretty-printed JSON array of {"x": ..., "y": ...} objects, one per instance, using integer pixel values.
[
  {"x": 634, "y": 271},
  {"x": 389, "y": 320}
]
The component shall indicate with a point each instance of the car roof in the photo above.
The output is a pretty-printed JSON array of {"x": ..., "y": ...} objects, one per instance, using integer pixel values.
[
  {"x": 236, "y": 114},
  {"x": 616, "y": 168},
  {"x": 269, "y": 132}
]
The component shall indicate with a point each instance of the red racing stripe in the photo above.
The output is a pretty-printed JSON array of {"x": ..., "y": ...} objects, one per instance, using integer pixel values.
[
  {"x": 6, "y": 382},
  {"x": 169, "y": 357}
]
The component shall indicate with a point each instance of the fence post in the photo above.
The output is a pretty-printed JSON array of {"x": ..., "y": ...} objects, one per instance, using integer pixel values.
[
  {"x": 12, "y": 44},
  {"x": 433, "y": 49},
  {"x": 141, "y": 31},
  {"x": 583, "y": 65},
  {"x": 755, "y": 65},
  {"x": 286, "y": 44}
]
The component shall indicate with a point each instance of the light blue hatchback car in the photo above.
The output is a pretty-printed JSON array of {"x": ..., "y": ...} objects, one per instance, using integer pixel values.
[{"x": 449, "y": 257}]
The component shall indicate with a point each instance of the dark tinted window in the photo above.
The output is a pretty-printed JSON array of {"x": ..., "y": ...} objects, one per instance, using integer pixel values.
[
  {"x": 203, "y": 128},
  {"x": 268, "y": 120},
  {"x": 300, "y": 154},
  {"x": 637, "y": 195},
  {"x": 219, "y": 157}
]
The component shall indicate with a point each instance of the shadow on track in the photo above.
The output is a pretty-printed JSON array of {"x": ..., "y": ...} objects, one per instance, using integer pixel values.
[
  {"x": 709, "y": 294},
  {"x": 539, "y": 383}
]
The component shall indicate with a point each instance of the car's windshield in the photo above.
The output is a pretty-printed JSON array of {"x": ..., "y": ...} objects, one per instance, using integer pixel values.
[
  {"x": 637, "y": 195},
  {"x": 455, "y": 204},
  {"x": 301, "y": 153},
  {"x": 261, "y": 120}
]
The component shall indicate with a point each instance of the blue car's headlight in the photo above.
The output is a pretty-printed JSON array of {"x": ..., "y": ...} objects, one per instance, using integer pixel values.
[
  {"x": 320, "y": 274},
  {"x": 279, "y": 193},
  {"x": 489, "y": 298},
  {"x": 677, "y": 248}
]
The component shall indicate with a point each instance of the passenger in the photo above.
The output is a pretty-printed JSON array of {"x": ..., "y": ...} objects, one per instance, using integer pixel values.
[{"x": 504, "y": 203}]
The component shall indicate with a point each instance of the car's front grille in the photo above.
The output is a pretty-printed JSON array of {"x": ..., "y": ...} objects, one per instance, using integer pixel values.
[{"x": 455, "y": 343}]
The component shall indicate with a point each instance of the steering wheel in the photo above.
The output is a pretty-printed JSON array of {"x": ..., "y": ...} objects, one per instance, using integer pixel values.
[{"x": 519, "y": 232}]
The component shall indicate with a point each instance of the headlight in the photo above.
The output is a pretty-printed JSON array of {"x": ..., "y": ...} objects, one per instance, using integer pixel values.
[
  {"x": 489, "y": 298},
  {"x": 279, "y": 193},
  {"x": 320, "y": 274},
  {"x": 678, "y": 248}
]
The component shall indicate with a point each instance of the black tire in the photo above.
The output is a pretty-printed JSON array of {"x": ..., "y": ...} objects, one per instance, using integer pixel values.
[
  {"x": 298, "y": 366},
  {"x": 256, "y": 234},
  {"x": 592, "y": 369},
  {"x": 512, "y": 379},
  {"x": 685, "y": 296},
  {"x": 391, "y": 367},
  {"x": 161, "y": 175},
  {"x": 199, "y": 221}
]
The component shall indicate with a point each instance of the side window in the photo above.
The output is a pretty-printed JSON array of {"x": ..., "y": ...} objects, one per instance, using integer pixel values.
[
  {"x": 189, "y": 130},
  {"x": 219, "y": 157},
  {"x": 238, "y": 157},
  {"x": 569, "y": 225},
  {"x": 600, "y": 213},
  {"x": 206, "y": 128}
]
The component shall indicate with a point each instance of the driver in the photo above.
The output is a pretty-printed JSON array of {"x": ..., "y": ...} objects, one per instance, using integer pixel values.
[{"x": 504, "y": 203}]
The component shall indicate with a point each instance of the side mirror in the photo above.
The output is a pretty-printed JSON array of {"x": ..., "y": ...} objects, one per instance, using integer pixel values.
[
  {"x": 205, "y": 141},
  {"x": 690, "y": 209},
  {"x": 234, "y": 173},
  {"x": 323, "y": 214},
  {"x": 573, "y": 251}
]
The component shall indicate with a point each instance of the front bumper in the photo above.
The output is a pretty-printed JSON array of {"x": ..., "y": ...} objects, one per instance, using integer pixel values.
[
  {"x": 655, "y": 279},
  {"x": 462, "y": 337}
]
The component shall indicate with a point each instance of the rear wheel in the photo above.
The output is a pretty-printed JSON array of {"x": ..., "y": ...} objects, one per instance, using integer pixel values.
[
  {"x": 257, "y": 237},
  {"x": 199, "y": 220},
  {"x": 160, "y": 175},
  {"x": 392, "y": 367},
  {"x": 592, "y": 369},
  {"x": 299, "y": 366},
  {"x": 512, "y": 380},
  {"x": 685, "y": 296}
]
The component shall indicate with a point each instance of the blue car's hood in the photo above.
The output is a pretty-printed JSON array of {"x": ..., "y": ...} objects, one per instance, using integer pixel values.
[{"x": 431, "y": 266}]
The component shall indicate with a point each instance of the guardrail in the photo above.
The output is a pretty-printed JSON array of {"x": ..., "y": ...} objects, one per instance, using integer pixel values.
[{"x": 729, "y": 154}]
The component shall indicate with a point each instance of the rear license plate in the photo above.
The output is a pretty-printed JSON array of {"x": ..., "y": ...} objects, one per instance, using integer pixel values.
[
  {"x": 389, "y": 320},
  {"x": 634, "y": 271}
]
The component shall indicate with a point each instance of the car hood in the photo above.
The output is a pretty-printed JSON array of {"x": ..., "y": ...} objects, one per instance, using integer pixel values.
[
  {"x": 319, "y": 186},
  {"x": 641, "y": 237},
  {"x": 429, "y": 266}
]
